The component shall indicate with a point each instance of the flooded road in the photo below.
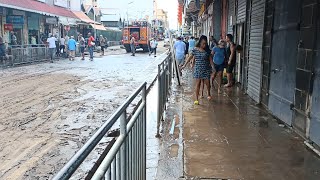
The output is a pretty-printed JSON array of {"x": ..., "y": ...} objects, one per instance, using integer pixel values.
[{"x": 48, "y": 111}]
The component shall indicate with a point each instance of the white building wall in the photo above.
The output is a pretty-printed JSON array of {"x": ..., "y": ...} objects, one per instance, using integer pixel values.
[{"x": 76, "y": 5}]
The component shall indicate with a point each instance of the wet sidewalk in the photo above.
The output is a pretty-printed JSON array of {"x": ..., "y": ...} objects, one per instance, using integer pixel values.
[{"x": 229, "y": 138}]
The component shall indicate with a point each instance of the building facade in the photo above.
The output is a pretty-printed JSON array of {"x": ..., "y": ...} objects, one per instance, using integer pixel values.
[
  {"x": 39, "y": 18},
  {"x": 163, "y": 16},
  {"x": 279, "y": 66}
]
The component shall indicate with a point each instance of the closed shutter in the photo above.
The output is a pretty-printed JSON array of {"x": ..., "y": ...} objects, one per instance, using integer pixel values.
[
  {"x": 255, "y": 49},
  {"x": 241, "y": 13},
  {"x": 217, "y": 19},
  {"x": 231, "y": 16}
]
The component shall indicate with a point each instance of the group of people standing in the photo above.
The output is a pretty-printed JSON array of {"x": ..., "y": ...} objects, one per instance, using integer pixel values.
[
  {"x": 207, "y": 62},
  {"x": 67, "y": 45},
  {"x": 152, "y": 46}
]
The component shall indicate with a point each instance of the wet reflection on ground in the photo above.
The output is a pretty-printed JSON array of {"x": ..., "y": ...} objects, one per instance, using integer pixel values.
[{"x": 229, "y": 137}]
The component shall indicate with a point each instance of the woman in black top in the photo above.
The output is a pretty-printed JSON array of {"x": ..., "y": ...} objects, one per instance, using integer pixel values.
[{"x": 231, "y": 59}]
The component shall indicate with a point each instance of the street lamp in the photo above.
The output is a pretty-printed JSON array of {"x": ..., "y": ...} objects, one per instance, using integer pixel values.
[{"x": 127, "y": 10}]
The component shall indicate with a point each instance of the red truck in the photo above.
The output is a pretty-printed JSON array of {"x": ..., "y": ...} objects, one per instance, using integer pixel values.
[{"x": 141, "y": 31}]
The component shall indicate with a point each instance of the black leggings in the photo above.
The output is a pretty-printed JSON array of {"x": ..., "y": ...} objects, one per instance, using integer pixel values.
[{"x": 153, "y": 50}]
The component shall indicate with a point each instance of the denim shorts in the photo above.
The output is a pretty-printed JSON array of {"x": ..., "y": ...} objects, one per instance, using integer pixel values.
[
  {"x": 180, "y": 61},
  {"x": 82, "y": 49},
  {"x": 219, "y": 67}
]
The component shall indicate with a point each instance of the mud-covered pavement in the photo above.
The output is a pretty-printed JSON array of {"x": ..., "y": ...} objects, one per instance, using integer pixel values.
[
  {"x": 228, "y": 137},
  {"x": 48, "y": 111}
]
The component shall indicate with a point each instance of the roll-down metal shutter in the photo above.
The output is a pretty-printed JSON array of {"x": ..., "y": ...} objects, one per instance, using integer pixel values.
[
  {"x": 231, "y": 16},
  {"x": 255, "y": 49},
  {"x": 217, "y": 19},
  {"x": 241, "y": 11}
]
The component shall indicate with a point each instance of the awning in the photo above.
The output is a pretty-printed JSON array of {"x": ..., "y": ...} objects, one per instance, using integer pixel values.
[
  {"x": 83, "y": 17},
  {"x": 67, "y": 21},
  {"x": 113, "y": 29},
  {"x": 37, "y": 7},
  {"x": 98, "y": 27}
]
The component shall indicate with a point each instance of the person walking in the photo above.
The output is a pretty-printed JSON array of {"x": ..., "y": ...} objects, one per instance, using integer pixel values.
[
  {"x": 66, "y": 40},
  {"x": 192, "y": 44},
  {"x": 180, "y": 48},
  {"x": 2, "y": 48},
  {"x": 91, "y": 44},
  {"x": 102, "y": 44},
  {"x": 231, "y": 59},
  {"x": 153, "y": 45},
  {"x": 132, "y": 45},
  {"x": 202, "y": 62},
  {"x": 57, "y": 45},
  {"x": 14, "y": 40},
  {"x": 82, "y": 45},
  {"x": 52, "y": 46},
  {"x": 219, "y": 56},
  {"x": 186, "y": 41},
  {"x": 62, "y": 45},
  {"x": 213, "y": 42},
  {"x": 72, "y": 44},
  {"x": 33, "y": 41}
]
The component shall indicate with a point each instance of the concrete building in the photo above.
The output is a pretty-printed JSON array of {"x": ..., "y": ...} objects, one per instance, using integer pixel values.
[
  {"x": 163, "y": 16},
  {"x": 39, "y": 18}
]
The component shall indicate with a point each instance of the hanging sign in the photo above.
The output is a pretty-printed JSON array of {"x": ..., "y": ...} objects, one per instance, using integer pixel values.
[
  {"x": 8, "y": 27},
  {"x": 51, "y": 20}
]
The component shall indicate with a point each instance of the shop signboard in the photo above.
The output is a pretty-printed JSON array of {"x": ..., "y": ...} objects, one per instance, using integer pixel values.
[
  {"x": 8, "y": 27},
  {"x": 51, "y": 20},
  {"x": 15, "y": 19}
]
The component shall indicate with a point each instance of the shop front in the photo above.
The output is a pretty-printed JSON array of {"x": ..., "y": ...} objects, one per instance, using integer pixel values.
[
  {"x": 17, "y": 22},
  {"x": 50, "y": 26},
  {"x": 33, "y": 27}
]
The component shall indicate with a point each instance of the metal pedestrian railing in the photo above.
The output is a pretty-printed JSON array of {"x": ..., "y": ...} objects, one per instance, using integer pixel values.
[
  {"x": 165, "y": 75},
  {"x": 24, "y": 54},
  {"x": 126, "y": 160},
  {"x": 28, "y": 54}
]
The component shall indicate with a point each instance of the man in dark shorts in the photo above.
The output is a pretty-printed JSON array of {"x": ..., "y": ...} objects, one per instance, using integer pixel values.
[
  {"x": 231, "y": 59},
  {"x": 82, "y": 45}
]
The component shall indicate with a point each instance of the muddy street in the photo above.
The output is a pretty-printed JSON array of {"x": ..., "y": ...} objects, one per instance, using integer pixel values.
[{"x": 48, "y": 111}]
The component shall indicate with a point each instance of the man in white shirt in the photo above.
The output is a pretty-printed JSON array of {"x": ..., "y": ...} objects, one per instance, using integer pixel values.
[
  {"x": 153, "y": 45},
  {"x": 52, "y": 46}
]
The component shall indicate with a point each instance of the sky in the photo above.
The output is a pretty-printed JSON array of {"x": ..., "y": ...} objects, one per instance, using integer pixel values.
[
  {"x": 139, "y": 8},
  {"x": 171, "y": 6}
]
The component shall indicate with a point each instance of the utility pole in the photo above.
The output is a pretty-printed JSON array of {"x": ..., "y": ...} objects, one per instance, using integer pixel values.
[{"x": 94, "y": 19}]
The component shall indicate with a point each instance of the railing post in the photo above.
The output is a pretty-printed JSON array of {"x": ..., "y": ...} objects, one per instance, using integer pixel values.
[
  {"x": 159, "y": 103},
  {"x": 144, "y": 133},
  {"x": 123, "y": 153}
]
